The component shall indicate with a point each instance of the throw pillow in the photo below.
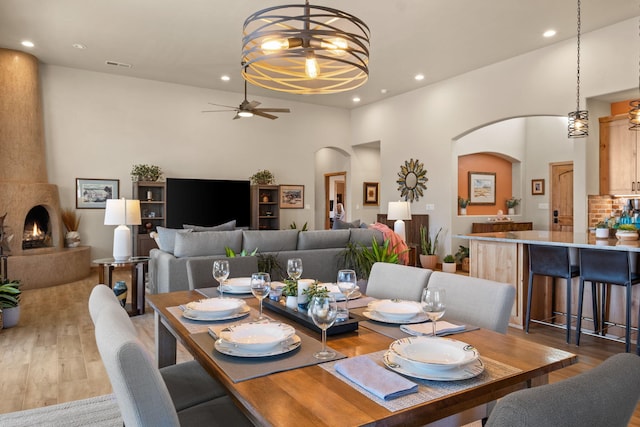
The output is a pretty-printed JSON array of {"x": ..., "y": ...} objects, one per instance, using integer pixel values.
[
  {"x": 167, "y": 238},
  {"x": 342, "y": 225},
  {"x": 227, "y": 226}
]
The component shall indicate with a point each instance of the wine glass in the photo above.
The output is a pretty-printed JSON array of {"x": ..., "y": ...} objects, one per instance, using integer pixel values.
[
  {"x": 220, "y": 273},
  {"x": 324, "y": 310},
  {"x": 260, "y": 287},
  {"x": 294, "y": 268},
  {"x": 433, "y": 303},
  {"x": 347, "y": 285}
]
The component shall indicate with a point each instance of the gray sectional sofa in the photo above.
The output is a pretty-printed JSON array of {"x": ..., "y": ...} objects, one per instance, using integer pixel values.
[{"x": 320, "y": 251}]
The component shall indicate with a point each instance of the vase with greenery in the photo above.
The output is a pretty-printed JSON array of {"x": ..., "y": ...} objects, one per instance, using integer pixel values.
[
  {"x": 428, "y": 248},
  {"x": 10, "y": 302},
  {"x": 449, "y": 264},
  {"x": 71, "y": 221},
  {"x": 290, "y": 292},
  {"x": 511, "y": 205},
  {"x": 263, "y": 177},
  {"x": 150, "y": 173},
  {"x": 463, "y": 203},
  {"x": 602, "y": 230}
]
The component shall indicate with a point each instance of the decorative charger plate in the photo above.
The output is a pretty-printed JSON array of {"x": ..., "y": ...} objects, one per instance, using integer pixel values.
[
  {"x": 188, "y": 314},
  {"x": 434, "y": 352},
  {"x": 470, "y": 370}
]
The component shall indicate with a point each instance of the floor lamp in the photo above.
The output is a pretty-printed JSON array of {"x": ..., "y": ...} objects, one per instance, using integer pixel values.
[
  {"x": 123, "y": 213},
  {"x": 399, "y": 211}
]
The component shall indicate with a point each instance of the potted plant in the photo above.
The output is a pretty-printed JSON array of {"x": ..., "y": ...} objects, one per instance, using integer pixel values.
[
  {"x": 71, "y": 222},
  {"x": 314, "y": 290},
  {"x": 428, "y": 249},
  {"x": 462, "y": 257},
  {"x": 263, "y": 177},
  {"x": 602, "y": 230},
  {"x": 290, "y": 292},
  {"x": 10, "y": 302},
  {"x": 150, "y": 173},
  {"x": 463, "y": 203},
  {"x": 377, "y": 253},
  {"x": 449, "y": 264},
  {"x": 627, "y": 232},
  {"x": 511, "y": 205}
]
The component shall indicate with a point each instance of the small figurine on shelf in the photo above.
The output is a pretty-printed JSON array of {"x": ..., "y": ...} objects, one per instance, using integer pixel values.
[{"x": 265, "y": 198}]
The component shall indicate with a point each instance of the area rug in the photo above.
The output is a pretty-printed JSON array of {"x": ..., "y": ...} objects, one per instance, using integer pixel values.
[{"x": 101, "y": 411}]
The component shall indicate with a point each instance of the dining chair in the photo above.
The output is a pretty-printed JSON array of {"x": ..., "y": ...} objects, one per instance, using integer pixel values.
[
  {"x": 200, "y": 275},
  {"x": 188, "y": 383},
  {"x": 388, "y": 281},
  {"x": 603, "y": 396},
  {"x": 474, "y": 301},
  {"x": 606, "y": 267},
  {"x": 141, "y": 390},
  {"x": 552, "y": 261}
]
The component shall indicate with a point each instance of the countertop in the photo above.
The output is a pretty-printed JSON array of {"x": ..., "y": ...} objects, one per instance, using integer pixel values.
[{"x": 556, "y": 238}]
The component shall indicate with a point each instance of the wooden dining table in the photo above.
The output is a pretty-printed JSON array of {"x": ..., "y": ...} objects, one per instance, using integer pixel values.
[{"x": 312, "y": 396}]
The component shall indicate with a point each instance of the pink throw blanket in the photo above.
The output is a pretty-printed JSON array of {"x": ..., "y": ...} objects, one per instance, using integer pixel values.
[{"x": 397, "y": 244}]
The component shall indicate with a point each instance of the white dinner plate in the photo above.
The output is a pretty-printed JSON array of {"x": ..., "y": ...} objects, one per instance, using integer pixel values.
[
  {"x": 396, "y": 309},
  {"x": 215, "y": 307},
  {"x": 188, "y": 314},
  {"x": 335, "y": 291},
  {"x": 434, "y": 352},
  {"x": 286, "y": 346},
  {"x": 257, "y": 336},
  {"x": 374, "y": 315},
  {"x": 237, "y": 285},
  {"x": 470, "y": 370}
]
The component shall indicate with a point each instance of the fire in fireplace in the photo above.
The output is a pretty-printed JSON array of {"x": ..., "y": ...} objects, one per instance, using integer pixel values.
[{"x": 37, "y": 233}]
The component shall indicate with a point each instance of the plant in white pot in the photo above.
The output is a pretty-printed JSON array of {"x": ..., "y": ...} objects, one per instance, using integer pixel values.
[
  {"x": 10, "y": 302},
  {"x": 428, "y": 248},
  {"x": 463, "y": 203},
  {"x": 602, "y": 230},
  {"x": 511, "y": 205},
  {"x": 449, "y": 264}
]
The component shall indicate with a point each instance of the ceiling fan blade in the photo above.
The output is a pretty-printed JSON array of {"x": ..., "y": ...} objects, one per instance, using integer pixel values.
[
  {"x": 220, "y": 105},
  {"x": 253, "y": 104},
  {"x": 218, "y": 111},
  {"x": 262, "y": 114},
  {"x": 237, "y": 116},
  {"x": 274, "y": 110}
]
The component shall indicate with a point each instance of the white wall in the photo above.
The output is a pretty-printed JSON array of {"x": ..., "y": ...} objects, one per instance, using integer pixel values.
[{"x": 424, "y": 123}]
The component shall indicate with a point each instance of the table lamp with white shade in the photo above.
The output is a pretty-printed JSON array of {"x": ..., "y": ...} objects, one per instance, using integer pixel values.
[
  {"x": 399, "y": 211},
  {"x": 122, "y": 212}
]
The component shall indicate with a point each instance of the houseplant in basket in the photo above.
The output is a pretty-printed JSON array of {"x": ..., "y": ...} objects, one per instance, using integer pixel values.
[
  {"x": 428, "y": 248},
  {"x": 627, "y": 232},
  {"x": 10, "y": 302}
]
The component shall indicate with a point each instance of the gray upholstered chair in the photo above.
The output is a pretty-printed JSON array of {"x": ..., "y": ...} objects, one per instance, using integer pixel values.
[
  {"x": 474, "y": 301},
  {"x": 200, "y": 275},
  {"x": 397, "y": 281},
  {"x": 604, "y": 396},
  {"x": 101, "y": 296},
  {"x": 141, "y": 390}
]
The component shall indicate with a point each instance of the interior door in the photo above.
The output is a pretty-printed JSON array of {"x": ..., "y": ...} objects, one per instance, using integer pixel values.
[{"x": 562, "y": 196}]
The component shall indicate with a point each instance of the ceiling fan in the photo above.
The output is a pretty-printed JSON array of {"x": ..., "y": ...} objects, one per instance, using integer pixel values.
[{"x": 249, "y": 109}]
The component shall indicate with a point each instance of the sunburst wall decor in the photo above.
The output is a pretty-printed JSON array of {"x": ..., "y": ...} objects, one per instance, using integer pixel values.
[{"x": 412, "y": 180}]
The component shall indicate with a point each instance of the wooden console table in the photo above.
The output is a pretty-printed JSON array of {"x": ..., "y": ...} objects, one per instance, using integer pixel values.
[{"x": 493, "y": 227}]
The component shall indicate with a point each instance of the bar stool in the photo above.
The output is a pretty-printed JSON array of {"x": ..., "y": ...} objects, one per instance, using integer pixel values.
[
  {"x": 551, "y": 261},
  {"x": 607, "y": 267}
]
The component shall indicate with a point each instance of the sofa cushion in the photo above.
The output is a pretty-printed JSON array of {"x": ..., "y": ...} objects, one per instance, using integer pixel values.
[
  {"x": 227, "y": 226},
  {"x": 343, "y": 225},
  {"x": 167, "y": 238},
  {"x": 364, "y": 236},
  {"x": 207, "y": 243},
  {"x": 322, "y": 239},
  {"x": 269, "y": 240}
]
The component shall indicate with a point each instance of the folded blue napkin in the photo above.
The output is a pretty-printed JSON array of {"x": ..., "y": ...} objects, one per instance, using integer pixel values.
[{"x": 374, "y": 378}]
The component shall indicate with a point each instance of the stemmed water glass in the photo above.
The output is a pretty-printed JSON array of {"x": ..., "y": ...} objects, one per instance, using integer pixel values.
[
  {"x": 294, "y": 268},
  {"x": 433, "y": 304},
  {"x": 260, "y": 288},
  {"x": 347, "y": 285},
  {"x": 220, "y": 273},
  {"x": 324, "y": 310}
]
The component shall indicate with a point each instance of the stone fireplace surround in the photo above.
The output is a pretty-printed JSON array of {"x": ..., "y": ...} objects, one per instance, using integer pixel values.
[{"x": 24, "y": 182}]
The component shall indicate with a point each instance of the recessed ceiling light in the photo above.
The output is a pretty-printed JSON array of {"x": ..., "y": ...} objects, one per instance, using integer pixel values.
[
  {"x": 383, "y": 91},
  {"x": 549, "y": 33},
  {"x": 79, "y": 46},
  {"x": 356, "y": 99},
  {"x": 225, "y": 78},
  {"x": 27, "y": 43},
  {"x": 419, "y": 77}
]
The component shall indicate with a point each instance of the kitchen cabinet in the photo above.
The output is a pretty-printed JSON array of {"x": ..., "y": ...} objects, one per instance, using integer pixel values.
[{"x": 619, "y": 162}]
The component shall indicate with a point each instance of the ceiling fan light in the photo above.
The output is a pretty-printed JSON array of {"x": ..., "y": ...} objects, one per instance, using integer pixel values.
[{"x": 245, "y": 113}]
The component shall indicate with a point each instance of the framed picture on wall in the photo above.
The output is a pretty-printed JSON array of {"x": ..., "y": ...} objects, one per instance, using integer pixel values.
[
  {"x": 370, "y": 194},
  {"x": 482, "y": 188},
  {"x": 291, "y": 196},
  {"x": 537, "y": 187},
  {"x": 93, "y": 193}
]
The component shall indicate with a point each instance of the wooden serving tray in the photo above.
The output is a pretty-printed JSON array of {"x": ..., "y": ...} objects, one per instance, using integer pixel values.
[{"x": 301, "y": 317}]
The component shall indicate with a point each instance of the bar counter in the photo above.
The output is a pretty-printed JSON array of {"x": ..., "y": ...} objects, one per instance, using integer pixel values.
[{"x": 503, "y": 257}]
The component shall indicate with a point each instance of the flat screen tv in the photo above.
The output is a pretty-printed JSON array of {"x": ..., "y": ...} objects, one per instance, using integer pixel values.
[{"x": 207, "y": 202}]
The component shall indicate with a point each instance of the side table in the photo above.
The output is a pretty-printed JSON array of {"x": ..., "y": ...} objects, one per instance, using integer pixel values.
[{"x": 139, "y": 267}]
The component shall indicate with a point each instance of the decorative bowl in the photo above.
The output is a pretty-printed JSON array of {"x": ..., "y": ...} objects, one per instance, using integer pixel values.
[
  {"x": 215, "y": 307},
  {"x": 257, "y": 336},
  {"x": 396, "y": 309},
  {"x": 626, "y": 235}
]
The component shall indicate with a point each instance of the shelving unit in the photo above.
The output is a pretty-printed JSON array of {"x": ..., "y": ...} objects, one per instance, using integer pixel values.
[
  {"x": 265, "y": 211},
  {"x": 152, "y": 196}
]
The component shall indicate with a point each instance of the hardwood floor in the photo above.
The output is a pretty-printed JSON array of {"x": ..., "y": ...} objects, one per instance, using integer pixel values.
[{"x": 51, "y": 356}]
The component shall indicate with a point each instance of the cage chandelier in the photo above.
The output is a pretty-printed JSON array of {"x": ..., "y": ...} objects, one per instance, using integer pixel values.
[
  {"x": 579, "y": 119},
  {"x": 305, "y": 49}
]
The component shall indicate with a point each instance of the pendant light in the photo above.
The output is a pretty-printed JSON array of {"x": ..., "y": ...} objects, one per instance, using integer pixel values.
[{"x": 579, "y": 119}]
